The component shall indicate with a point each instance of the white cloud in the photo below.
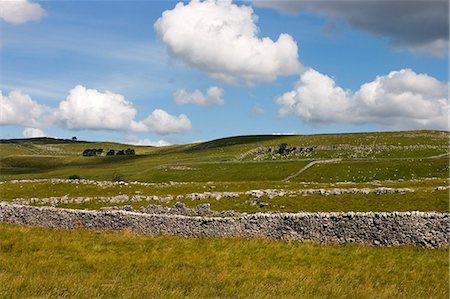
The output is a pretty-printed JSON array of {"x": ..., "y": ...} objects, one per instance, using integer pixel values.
[
  {"x": 32, "y": 133},
  {"x": 19, "y": 109},
  {"x": 20, "y": 11},
  {"x": 316, "y": 98},
  {"x": 212, "y": 97},
  {"x": 93, "y": 110},
  {"x": 400, "y": 100},
  {"x": 87, "y": 109},
  {"x": 163, "y": 123},
  {"x": 147, "y": 142},
  {"x": 220, "y": 38}
]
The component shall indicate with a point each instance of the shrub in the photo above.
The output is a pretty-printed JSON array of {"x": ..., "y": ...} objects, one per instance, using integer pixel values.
[
  {"x": 92, "y": 152},
  {"x": 283, "y": 150},
  {"x": 130, "y": 151},
  {"x": 74, "y": 177},
  {"x": 117, "y": 177}
]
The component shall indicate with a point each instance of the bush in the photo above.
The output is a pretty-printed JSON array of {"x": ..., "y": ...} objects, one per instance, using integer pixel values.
[
  {"x": 92, "y": 152},
  {"x": 130, "y": 151},
  {"x": 74, "y": 177},
  {"x": 117, "y": 177},
  {"x": 283, "y": 150}
]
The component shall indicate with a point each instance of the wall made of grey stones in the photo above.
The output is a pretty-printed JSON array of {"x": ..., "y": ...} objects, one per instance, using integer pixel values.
[{"x": 428, "y": 229}]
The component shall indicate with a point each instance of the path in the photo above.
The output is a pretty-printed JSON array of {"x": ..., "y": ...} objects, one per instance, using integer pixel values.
[{"x": 308, "y": 166}]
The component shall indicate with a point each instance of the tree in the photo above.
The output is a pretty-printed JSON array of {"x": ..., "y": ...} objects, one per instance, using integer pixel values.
[
  {"x": 74, "y": 138},
  {"x": 89, "y": 153},
  {"x": 282, "y": 150}
]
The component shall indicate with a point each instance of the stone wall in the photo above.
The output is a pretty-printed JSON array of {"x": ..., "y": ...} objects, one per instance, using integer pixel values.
[{"x": 428, "y": 229}]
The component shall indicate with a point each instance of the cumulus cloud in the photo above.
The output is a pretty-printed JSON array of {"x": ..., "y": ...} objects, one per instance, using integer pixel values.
[
  {"x": 161, "y": 122},
  {"x": 401, "y": 100},
  {"x": 420, "y": 26},
  {"x": 147, "y": 142},
  {"x": 87, "y": 109},
  {"x": 212, "y": 97},
  {"x": 19, "y": 109},
  {"x": 32, "y": 133},
  {"x": 220, "y": 37},
  {"x": 315, "y": 98},
  {"x": 94, "y": 110},
  {"x": 20, "y": 11}
]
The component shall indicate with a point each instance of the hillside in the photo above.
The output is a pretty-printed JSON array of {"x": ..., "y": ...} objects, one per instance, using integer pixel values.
[
  {"x": 417, "y": 160},
  {"x": 358, "y": 157}
]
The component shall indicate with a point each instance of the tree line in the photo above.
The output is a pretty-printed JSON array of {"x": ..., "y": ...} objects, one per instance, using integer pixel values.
[{"x": 111, "y": 152}]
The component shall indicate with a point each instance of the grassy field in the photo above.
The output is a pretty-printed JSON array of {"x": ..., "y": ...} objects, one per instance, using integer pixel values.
[
  {"x": 425, "y": 197},
  {"x": 416, "y": 159},
  {"x": 45, "y": 263},
  {"x": 379, "y": 156}
]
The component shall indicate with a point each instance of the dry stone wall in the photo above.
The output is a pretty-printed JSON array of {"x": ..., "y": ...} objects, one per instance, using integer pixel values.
[{"x": 428, "y": 229}]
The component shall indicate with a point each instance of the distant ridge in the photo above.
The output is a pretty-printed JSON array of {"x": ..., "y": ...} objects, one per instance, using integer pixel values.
[
  {"x": 235, "y": 140},
  {"x": 42, "y": 140}
]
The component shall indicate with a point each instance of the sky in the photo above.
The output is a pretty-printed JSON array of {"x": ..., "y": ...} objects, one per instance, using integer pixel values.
[{"x": 166, "y": 72}]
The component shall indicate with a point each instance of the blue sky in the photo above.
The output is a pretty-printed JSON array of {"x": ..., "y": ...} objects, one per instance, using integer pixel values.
[{"x": 113, "y": 46}]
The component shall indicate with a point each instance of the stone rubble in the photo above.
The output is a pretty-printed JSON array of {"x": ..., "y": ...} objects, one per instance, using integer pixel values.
[
  {"x": 269, "y": 193},
  {"x": 441, "y": 188},
  {"x": 273, "y": 152},
  {"x": 103, "y": 184}
]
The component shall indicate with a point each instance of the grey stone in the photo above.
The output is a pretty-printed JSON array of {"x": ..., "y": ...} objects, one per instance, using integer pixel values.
[{"x": 428, "y": 229}]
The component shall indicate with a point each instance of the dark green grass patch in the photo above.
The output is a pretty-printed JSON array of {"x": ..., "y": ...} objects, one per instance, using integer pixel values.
[{"x": 370, "y": 170}]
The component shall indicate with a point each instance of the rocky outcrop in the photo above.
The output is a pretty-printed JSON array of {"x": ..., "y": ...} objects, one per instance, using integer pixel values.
[
  {"x": 276, "y": 152},
  {"x": 428, "y": 229}
]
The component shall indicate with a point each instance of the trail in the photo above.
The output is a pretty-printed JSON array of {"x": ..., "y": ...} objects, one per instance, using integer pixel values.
[
  {"x": 438, "y": 156},
  {"x": 310, "y": 165}
]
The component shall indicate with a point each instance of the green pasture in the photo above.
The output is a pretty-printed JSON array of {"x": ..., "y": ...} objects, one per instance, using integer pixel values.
[{"x": 47, "y": 263}]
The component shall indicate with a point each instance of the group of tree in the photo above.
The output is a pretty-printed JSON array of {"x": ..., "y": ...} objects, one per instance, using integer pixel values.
[
  {"x": 92, "y": 152},
  {"x": 111, "y": 152},
  {"x": 127, "y": 152}
]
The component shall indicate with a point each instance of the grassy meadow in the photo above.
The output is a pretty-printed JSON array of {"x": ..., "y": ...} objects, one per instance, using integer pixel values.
[{"x": 46, "y": 263}]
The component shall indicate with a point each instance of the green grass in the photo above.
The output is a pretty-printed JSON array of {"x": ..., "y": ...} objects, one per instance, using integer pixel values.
[
  {"x": 46, "y": 263},
  {"x": 370, "y": 170},
  {"x": 425, "y": 198},
  {"x": 217, "y": 160}
]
